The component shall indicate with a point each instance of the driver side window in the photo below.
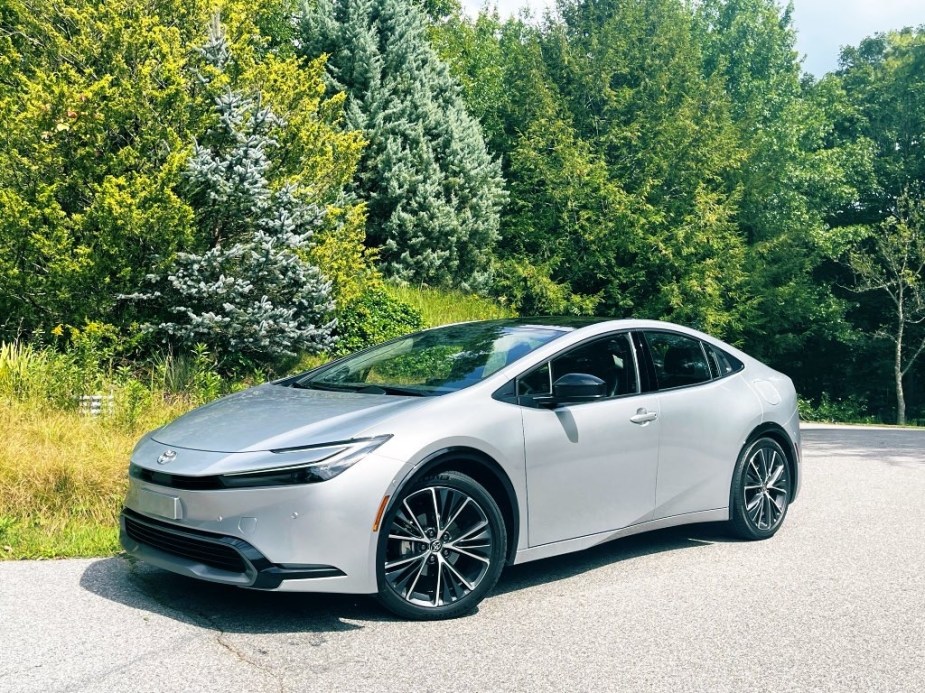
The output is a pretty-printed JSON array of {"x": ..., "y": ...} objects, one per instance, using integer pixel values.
[{"x": 611, "y": 359}]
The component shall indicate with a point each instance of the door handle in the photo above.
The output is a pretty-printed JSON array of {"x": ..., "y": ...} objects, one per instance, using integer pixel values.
[{"x": 643, "y": 416}]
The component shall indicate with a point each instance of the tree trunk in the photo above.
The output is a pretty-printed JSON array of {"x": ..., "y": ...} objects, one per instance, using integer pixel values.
[
  {"x": 900, "y": 400},
  {"x": 898, "y": 373}
]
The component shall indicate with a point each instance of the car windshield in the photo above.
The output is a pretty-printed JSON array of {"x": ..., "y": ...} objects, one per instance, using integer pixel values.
[{"x": 434, "y": 362}]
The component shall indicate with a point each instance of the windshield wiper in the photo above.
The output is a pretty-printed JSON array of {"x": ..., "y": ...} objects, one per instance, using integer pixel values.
[
  {"x": 370, "y": 389},
  {"x": 392, "y": 390},
  {"x": 312, "y": 385}
]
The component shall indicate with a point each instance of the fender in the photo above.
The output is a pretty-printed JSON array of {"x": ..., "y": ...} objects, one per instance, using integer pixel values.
[
  {"x": 486, "y": 471},
  {"x": 777, "y": 432}
]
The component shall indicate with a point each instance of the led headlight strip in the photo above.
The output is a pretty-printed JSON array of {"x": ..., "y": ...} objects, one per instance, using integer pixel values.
[{"x": 310, "y": 464}]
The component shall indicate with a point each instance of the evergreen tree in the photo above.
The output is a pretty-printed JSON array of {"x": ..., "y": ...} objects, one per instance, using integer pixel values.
[
  {"x": 88, "y": 156},
  {"x": 785, "y": 178},
  {"x": 100, "y": 105},
  {"x": 251, "y": 296},
  {"x": 433, "y": 193},
  {"x": 618, "y": 151}
]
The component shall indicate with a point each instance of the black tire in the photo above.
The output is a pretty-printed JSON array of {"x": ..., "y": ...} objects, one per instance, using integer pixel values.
[
  {"x": 425, "y": 576},
  {"x": 762, "y": 487}
]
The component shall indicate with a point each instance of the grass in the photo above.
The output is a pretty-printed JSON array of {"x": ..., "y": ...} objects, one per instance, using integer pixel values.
[
  {"x": 439, "y": 307},
  {"x": 63, "y": 477},
  {"x": 63, "y": 474}
]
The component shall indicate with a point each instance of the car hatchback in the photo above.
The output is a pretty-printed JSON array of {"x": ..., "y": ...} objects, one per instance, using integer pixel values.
[{"x": 417, "y": 469}]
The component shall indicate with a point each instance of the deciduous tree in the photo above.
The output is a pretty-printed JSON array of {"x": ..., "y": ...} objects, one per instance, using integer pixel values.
[{"x": 891, "y": 261}]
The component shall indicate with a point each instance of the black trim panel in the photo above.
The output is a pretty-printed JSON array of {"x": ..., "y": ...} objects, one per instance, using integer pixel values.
[{"x": 222, "y": 552}]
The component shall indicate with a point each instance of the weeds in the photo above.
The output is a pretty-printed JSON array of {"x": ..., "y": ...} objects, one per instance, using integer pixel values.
[
  {"x": 63, "y": 476},
  {"x": 63, "y": 473},
  {"x": 851, "y": 409}
]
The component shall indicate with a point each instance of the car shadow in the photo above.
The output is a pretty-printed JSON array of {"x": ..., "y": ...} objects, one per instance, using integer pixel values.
[
  {"x": 223, "y": 608},
  {"x": 226, "y": 609},
  {"x": 550, "y": 570}
]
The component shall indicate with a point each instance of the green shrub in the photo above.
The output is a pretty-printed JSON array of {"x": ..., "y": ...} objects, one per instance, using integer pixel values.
[
  {"x": 191, "y": 375},
  {"x": 851, "y": 409},
  {"x": 531, "y": 289},
  {"x": 374, "y": 317}
]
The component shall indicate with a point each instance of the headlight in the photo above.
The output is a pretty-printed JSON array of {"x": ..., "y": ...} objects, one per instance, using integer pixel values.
[
  {"x": 302, "y": 465},
  {"x": 306, "y": 465}
]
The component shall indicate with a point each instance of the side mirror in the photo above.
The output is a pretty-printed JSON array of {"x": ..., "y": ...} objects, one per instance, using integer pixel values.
[{"x": 578, "y": 387}]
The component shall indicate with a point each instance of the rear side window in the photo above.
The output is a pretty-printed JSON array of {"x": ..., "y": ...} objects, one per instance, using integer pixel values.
[
  {"x": 679, "y": 360},
  {"x": 721, "y": 363}
]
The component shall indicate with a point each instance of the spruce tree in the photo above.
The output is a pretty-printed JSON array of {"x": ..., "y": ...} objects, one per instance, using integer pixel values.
[
  {"x": 250, "y": 295},
  {"x": 433, "y": 192}
]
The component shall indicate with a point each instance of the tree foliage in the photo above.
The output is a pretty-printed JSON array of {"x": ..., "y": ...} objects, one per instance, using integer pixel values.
[
  {"x": 655, "y": 158},
  {"x": 892, "y": 261},
  {"x": 251, "y": 296},
  {"x": 616, "y": 148},
  {"x": 89, "y": 158},
  {"x": 876, "y": 104},
  {"x": 101, "y": 105},
  {"x": 668, "y": 159},
  {"x": 883, "y": 80},
  {"x": 789, "y": 177},
  {"x": 432, "y": 190}
]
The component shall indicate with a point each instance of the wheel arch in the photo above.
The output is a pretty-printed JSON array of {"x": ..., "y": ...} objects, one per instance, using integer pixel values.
[
  {"x": 777, "y": 433},
  {"x": 486, "y": 471}
]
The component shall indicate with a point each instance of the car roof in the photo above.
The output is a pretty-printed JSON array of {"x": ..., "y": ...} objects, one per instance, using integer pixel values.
[
  {"x": 572, "y": 323},
  {"x": 566, "y": 323}
]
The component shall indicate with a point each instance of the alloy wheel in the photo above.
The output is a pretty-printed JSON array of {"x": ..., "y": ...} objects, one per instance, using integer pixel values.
[
  {"x": 766, "y": 487},
  {"x": 439, "y": 547}
]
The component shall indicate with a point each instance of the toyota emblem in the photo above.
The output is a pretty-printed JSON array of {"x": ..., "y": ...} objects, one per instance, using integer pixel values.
[{"x": 167, "y": 456}]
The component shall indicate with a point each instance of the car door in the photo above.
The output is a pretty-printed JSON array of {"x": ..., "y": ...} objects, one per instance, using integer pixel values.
[
  {"x": 591, "y": 467},
  {"x": 704, "y": 417}
]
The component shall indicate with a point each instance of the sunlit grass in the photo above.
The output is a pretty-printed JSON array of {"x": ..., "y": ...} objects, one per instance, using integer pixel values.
[
  {"x": 63, "y": 478},
  {"x": 438, "y": 307}
]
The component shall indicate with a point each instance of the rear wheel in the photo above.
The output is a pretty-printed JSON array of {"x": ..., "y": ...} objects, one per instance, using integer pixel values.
[
  {"x": 761, "y": 490},
  {"x": 441, "y": 548}
]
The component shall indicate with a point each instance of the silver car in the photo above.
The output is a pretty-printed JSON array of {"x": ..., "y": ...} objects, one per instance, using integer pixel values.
[{"x": 419, "y": 468}]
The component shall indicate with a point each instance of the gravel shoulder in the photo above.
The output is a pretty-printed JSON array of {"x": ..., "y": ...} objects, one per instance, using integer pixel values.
[{"x": 835, "y": 602}]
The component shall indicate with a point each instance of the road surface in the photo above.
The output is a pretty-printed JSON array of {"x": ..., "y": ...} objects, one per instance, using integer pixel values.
[{"x": 835, "y": 602}]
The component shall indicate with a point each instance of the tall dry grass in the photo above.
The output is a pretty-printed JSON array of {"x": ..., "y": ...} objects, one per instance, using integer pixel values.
[
  {"x": 63, "y": 474},
  {"x": 63, "y": 477}
]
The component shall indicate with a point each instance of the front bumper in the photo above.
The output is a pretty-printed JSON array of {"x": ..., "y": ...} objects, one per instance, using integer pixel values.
[
  {"x": 305, "y": 538},
  {"x": 207, "y": 556}
]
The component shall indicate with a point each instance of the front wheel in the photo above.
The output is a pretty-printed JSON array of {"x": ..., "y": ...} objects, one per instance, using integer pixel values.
[
  {"x": 441, "y": 549},
  {"x": 761, "y": 490}
]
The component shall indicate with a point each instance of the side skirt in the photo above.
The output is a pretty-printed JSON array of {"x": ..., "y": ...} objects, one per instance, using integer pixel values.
[{"x": 558, "y": 548}]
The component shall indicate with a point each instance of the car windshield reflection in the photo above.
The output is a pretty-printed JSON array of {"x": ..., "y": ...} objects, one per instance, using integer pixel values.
[{"x": 434, "y": 362}]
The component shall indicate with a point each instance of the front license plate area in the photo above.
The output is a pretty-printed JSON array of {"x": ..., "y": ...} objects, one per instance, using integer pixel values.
[{"x": 151, "y": 503}]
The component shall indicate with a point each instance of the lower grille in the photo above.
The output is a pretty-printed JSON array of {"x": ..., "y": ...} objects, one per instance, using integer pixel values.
[{"x": 205, "y": 551}]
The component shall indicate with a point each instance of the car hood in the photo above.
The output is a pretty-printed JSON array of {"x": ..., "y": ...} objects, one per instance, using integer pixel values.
[{"x": 271, "y": 417}]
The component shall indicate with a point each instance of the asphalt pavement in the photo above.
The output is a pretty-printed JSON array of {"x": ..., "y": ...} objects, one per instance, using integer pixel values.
[{"x": 834, "y": 602}]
